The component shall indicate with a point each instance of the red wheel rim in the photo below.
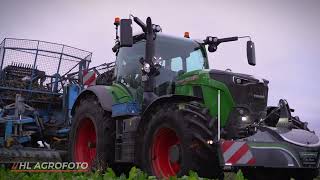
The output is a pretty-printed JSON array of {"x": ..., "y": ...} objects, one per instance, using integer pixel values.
[
  {"x": 163, "y": 140},
  {"x": 85, "y": 146}
]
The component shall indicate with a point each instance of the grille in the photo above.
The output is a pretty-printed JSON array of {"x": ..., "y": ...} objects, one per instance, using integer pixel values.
[
  {"x": 258, "y": 97},
  {"x": 258, "y": 90}
]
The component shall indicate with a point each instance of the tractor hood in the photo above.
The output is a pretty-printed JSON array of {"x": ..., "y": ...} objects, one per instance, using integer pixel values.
[
  {"x": 246, "y": 90},
  {"x": 228, "y": 75}
]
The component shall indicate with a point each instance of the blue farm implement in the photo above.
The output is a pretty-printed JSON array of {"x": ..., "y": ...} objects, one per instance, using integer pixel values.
[{"x": 39, "y": 82}]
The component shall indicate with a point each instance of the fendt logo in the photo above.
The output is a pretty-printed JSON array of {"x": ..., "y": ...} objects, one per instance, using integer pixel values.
[{"x": 50, "y": 167}]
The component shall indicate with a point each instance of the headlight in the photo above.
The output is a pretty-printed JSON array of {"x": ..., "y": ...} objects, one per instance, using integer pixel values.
[
  {"x": 243, "y": 115},
  {"x": 210, "y": 141},
  {"x": 146, "y": 67},
  {"x": 244, "y": 118},
  {"x": 238, "y": 80}
]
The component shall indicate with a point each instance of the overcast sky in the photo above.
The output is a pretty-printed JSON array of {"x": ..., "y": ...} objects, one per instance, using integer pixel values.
[{"x": 286, "y": 35}]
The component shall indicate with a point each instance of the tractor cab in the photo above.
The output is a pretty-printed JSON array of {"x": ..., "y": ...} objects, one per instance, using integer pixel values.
[{"x": 174, "y": 55}]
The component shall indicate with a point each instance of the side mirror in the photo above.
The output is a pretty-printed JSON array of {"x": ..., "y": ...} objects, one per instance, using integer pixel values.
[
  {"x": 251, "y": 54},
  {"x": 126, "y": 38}
]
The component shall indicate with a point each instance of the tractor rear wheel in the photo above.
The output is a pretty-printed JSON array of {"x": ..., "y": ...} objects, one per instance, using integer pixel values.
[
  {"x": 177, "y": 138},
  {"x": 91, "y": 137}
]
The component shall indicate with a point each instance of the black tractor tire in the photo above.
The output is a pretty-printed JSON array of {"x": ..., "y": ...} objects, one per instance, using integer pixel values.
[
  {"x": 192, "y": 126},
  {"x": 102, "y": 140}
]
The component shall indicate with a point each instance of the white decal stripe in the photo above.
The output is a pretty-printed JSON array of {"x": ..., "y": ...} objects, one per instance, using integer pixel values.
[
  {"x": 245, "y": 158},
  {"x": 88, "y": 76},
  {"x": 233, "y": 149},
  {"x": 93, "y": 82}
]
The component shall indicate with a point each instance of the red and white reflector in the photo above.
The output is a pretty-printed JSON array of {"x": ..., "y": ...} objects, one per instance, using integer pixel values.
[
  {"x": 89, "y": 78},
  {"x": 237, "y": 153}
]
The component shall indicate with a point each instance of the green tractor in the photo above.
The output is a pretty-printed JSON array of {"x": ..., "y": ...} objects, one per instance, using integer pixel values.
[{"x": 164, "y": 111}]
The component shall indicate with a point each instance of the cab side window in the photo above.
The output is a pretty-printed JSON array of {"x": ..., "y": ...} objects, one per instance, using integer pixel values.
[{"x": 128, "y": 65}]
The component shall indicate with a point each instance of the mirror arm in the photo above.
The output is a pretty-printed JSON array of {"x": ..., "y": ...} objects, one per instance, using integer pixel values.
[
  {"x": 215, "y": 41},
  {"x": 229, "y": 39},
  {"x": 243, "y": 37},
  {"x": 139, "y": 22}
]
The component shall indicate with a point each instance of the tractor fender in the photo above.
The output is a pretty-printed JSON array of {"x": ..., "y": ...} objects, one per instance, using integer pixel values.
[
  {"x": 103, "y": 96},
  {"x": 169, "y": 98}
]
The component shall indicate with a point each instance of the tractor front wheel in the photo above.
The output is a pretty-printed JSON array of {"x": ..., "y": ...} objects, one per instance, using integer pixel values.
[{"x": 177, "y": 138}]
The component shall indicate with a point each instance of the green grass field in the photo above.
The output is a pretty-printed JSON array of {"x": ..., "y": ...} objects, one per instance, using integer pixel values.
[{"x": 134, "y": 174}]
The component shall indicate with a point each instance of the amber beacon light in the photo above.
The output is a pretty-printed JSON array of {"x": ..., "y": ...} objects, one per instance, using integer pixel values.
[
  {"x": 116, "y": 21},
  {"x": 186, "y": 34}
]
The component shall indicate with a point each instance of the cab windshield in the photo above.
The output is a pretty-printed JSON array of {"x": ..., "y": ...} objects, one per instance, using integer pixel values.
[
  {"x": 178, "y": 55},
  {"x": 175, "y": 55}
]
